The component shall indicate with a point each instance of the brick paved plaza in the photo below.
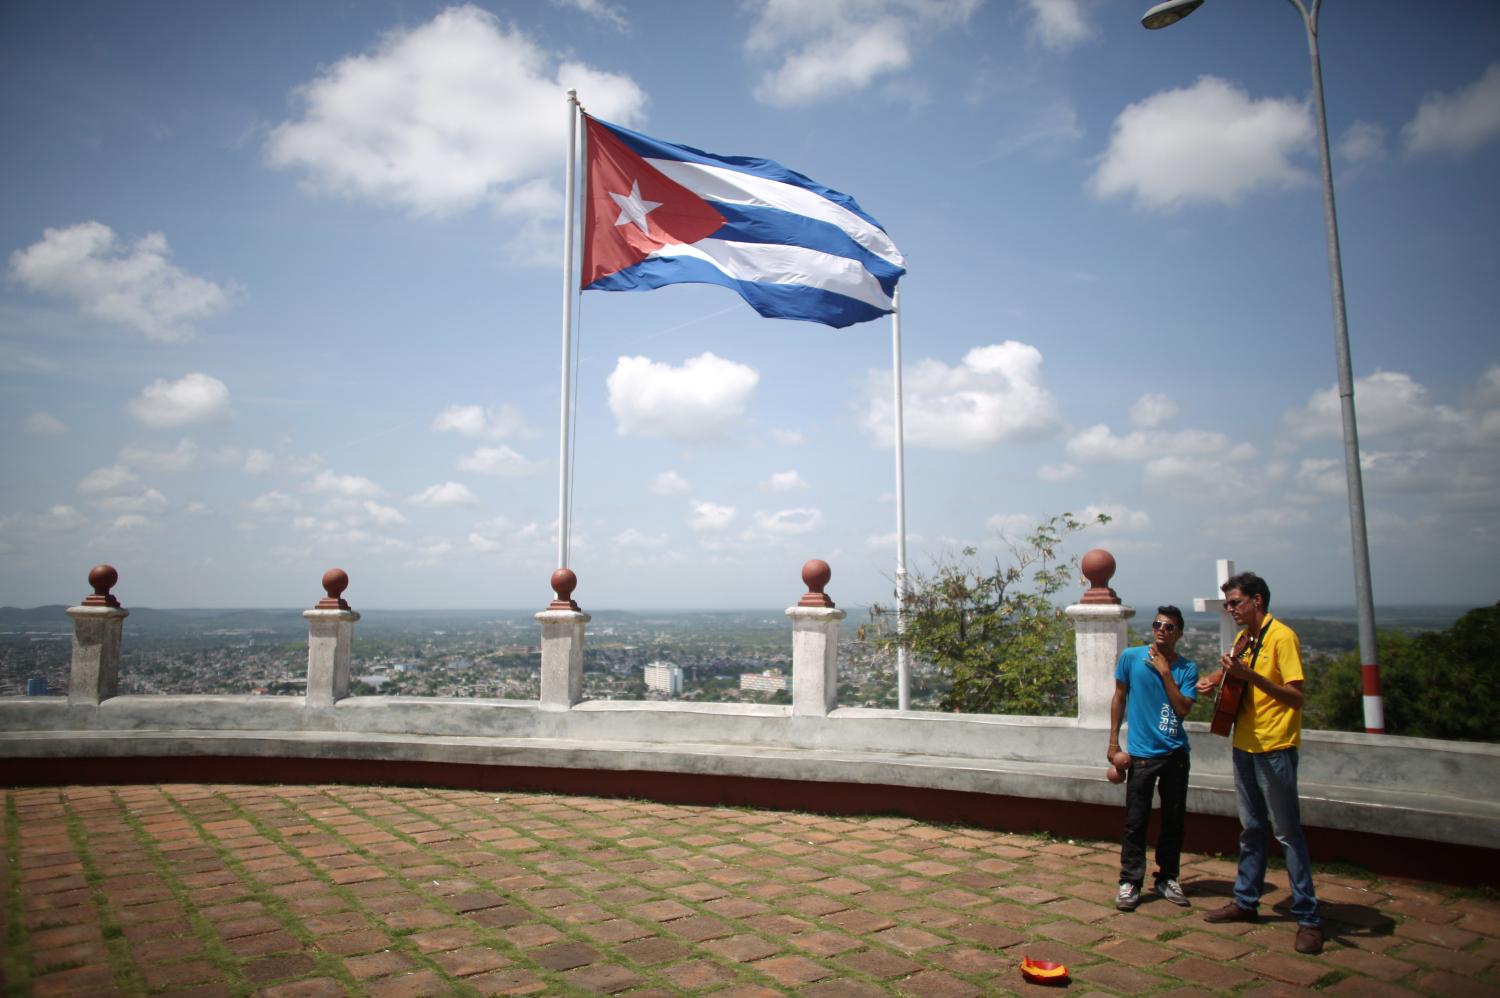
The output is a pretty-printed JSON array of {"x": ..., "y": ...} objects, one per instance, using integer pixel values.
[{"x": 333, "y": 890}]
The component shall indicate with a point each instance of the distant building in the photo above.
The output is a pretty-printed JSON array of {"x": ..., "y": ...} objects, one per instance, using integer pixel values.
[
  {"x": 769, "y": 681},
  {"x": 664, "y": 678}
]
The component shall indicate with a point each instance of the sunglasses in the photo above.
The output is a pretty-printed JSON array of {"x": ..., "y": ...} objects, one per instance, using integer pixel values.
[
  {"x": 1233, "y": 604},
  {"x": 1163, "y": 625}
]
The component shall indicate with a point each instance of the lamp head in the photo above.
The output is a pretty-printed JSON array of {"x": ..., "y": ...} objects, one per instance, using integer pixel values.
[{"x": 1168, "y": 13}]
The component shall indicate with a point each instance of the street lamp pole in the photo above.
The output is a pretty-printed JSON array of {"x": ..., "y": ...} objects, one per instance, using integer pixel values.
[{"x": 1170, "y": 12}]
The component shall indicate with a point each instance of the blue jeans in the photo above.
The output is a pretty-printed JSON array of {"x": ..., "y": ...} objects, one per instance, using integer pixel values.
[{"x": 1265, "y": 788}]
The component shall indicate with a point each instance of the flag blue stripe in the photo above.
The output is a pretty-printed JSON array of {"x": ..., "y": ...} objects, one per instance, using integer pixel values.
[
  {"x": 756, "y": 224},
  {"x": 774, "y": 301},
  {"x": 649, "y": 148}
]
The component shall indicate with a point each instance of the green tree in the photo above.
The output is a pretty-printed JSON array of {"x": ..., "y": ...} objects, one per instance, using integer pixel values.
[
  {"x": 1442, "y": 684},
  {"x": 996, "y": 635}
]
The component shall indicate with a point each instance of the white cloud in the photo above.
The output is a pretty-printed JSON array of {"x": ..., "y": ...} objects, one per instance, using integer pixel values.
[
  {"x": 178, "y": 458},
  {"x": 995, "y": 395},
  {"x": 1122, "y": 519},
  {"x": 701, "y": 400},
  {"x": 1057, "y": 24},
  {"x": 1384, "y": 402},
  {"x": 196, "y": 508},
  {"x": 1099, "y": 443},
  {"x": 831, "y": 50},
  {"x": 1362, "y": 142},
  {"x": 787, "y": 438},
  {"x": 784, "y": 481},
  {"x": 500, "y": 460},
  {"x": 478, "y": 421},
  {"x": 274, "y": 503},
  {"x": 44, "y": 424},
  {"x": 1459, "y": 122},
  {"x": 887, "y": 542},
  {"x": 1150, "y": 411},
  {"x": 446, "y": 494},
  {"x": 1210, "y": 142},
  {"x": 1054, "y": 473},
  {"x": 345, "y": 486},
  {"x": 385, "y": 516},
  {"x": 611, "y": 14},
  {"x": 437, "y": 118},
  {"x": 111, "y": 479},
  {"x": 258, "y": 462},
  {"x": 17, "y": 360},
  {"x": 710, "y": 516},
  {"x": 1011, "y": 526},
  {"x": 630, "y": 537},
  {"x": 483, "y": 544},
  {"x": 134, "y": 286},
  {"x": 790, "y": 522},
  {"x": 60, "y": 519},
  {"x": 193, "y": 398},
  {"x": 669, "y": 483},
  {"x": 149, "y": 501},
  {"x": 128, "y": 522},
  {"x": 1201, "y": 478}
]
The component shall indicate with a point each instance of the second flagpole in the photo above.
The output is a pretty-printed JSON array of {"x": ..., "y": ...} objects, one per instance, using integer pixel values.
[
  {"x": 570, "y": 223},
  {"x": 903, "y": 665}
]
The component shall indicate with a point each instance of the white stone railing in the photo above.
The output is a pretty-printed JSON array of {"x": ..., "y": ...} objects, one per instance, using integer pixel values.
[{"x": 1416, "y": 788}]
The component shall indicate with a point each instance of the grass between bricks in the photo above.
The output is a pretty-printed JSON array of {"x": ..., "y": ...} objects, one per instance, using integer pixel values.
[
  {"x": 126, "y": 974},
  {"x": 15, "y": 965},
  {"x": 538, "y": 807},
  {"x": 530, "y": 816},
  {"x": 324, "y": 964},
  {"x": 333, "y": 964}
]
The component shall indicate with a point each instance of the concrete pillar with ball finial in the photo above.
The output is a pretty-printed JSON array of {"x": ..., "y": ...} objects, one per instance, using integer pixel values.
[
  {"x": 815, "y": 644},
  {"x": 562, "y": 644},
  {"x": 1100, "y": 635},
  {"x": 97, "y": 624},
  {"x": 330, "y": 641}
]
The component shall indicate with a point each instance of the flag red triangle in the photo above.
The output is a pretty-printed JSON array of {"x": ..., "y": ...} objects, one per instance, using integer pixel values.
[{"x": 631, "y": 209}]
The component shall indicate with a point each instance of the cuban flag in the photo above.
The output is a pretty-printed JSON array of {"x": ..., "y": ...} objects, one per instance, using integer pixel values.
[{"x": 659, "y": 213}]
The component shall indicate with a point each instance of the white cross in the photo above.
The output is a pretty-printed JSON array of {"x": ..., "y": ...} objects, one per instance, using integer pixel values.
[{"x": 1203, "y": 604}]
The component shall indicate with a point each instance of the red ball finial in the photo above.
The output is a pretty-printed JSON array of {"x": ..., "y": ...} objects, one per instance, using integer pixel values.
[
  {"x": 815, "y": 574},
  {"x": 335, "y": 581},
  {"x": 1099, "y": 567},
  {"x": 103, "y": 579},
  {"x": 564, "y": 581}
]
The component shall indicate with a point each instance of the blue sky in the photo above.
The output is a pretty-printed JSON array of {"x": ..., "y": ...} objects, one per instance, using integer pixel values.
[{"x": 282, "y": 291}]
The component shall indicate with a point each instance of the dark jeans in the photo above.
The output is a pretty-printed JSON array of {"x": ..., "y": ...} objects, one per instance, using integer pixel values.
[{"x": 1172, "y": 772}]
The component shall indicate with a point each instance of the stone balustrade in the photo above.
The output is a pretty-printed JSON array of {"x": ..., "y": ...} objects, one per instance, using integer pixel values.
[{"x": 1394, "y": 789}]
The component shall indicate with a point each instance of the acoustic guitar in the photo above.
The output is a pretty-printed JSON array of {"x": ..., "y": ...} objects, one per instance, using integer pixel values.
[{"x": 1230, "y": 690}]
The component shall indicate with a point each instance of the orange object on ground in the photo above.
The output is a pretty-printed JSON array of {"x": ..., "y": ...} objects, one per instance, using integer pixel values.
[{"x": 1043, "y": 971}]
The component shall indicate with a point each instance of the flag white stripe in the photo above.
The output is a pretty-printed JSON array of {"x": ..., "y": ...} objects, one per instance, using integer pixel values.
[
  {"x": 772, "y": 263},
  {"x": 715, "y": 183}
]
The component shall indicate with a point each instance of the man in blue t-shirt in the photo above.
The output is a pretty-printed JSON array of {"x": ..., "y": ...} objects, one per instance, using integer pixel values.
[{"x": 1154, "y": 690}]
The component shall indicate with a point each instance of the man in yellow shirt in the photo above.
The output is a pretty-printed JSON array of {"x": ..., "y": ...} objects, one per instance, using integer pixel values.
[{"x": 1267, "y": 736}]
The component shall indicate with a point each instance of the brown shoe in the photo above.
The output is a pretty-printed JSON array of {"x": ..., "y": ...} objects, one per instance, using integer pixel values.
[
  {"x": 1232, "y": 912},
  {"x": 1309, "y": 939}
]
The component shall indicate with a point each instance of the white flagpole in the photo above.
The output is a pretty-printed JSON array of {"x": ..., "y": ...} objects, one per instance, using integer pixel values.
[
  {"x": 903, "y": 669},
  {"x": 570, "y": 222}
]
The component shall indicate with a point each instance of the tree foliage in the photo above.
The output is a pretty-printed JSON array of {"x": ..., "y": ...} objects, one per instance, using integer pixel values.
[
  {"x": 1442, "y": 684},
  {"x": 996, "y": 634}
]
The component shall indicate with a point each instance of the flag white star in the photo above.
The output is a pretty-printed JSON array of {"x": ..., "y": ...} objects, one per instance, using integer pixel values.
[{"x": 634, "y": 208}]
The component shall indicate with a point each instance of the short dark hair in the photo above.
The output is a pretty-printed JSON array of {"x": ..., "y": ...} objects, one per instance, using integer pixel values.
[
  {"x": 1251, "y": 585},
  {"x": 1171, "y": 611}
]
